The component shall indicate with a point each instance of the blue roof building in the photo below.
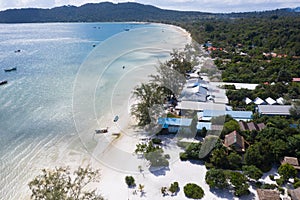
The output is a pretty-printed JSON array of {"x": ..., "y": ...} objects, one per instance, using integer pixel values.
[
  {"x": 207, "y": 115},
  {"x": 174, "y": 124},
  {"x": 166, "y": 122}
]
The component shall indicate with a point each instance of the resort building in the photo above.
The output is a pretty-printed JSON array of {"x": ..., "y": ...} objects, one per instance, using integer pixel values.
[
  {"x": 173, "y": 125},
  {"x": 236, "y": 140},
  {"x": 282, "y": 110},
  {"x": 264, "y": 194},
  {"x": 195, "y": 90},
  {"x": 207, "y": 115}
]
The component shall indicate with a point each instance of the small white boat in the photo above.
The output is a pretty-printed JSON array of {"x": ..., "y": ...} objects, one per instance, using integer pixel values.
[{"x": 116, "y": 118}]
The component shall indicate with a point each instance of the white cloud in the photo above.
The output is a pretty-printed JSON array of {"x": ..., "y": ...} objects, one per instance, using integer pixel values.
[{"x": 198, "y": 5}]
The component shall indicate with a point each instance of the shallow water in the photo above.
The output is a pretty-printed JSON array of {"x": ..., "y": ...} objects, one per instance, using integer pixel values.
[{"x": 62, "y": 81}]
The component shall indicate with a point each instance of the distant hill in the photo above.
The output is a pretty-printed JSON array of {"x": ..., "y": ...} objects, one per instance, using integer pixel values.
[
  {"x": 100, "y": 12},
  {"x": 107, "y": 12}
]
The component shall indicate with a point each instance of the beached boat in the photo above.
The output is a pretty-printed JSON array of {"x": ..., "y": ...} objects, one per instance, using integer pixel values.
[
  {"x": 3, "y": 82},
  {"x": 116, "y": 118},
  {"x": 126, "y": 29},
  {"x": 103, "y": 130},
  {"x": 10, "y": 69}
]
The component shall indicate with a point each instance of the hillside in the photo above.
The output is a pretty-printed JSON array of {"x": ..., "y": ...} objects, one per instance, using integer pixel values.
[
  {"x": 110, "y": 12},
  {"x": 100, "y": 12}
]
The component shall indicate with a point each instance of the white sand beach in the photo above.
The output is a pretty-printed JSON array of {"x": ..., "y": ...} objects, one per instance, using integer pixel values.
[{"x": 110, "y": 94}]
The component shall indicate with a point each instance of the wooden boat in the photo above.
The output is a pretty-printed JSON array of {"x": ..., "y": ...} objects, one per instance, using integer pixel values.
[
  {"x": 126, "y": 29},
  {"x": 103, "y": 130},
  {"x": 10, "y": 69},
  {"x": 17, "y": 51},
  {"x": 3, "y": 82}
]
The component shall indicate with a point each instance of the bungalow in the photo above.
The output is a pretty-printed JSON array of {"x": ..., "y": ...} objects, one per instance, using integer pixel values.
[
  {"x": 280, "y": 101},
  {"x": 251, "y": 126},
  {"x": 292, "y": 161},
  {"x": 270, "y": 101},
  {"x": 236, "y": 140},
  {"x": 259, "y": 101},
  {"x": 247, "y": 100},
  {"x": 282, "y": 110},
  {"x": 264, "y": 194}
]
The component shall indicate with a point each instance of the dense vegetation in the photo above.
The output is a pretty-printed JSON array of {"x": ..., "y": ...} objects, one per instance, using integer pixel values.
[{"x": 253, "y": 49}]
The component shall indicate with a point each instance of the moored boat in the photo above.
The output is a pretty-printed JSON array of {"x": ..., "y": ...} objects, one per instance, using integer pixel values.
[
  {"x": 10, "y": 69},
  {"x": 116, "y": 118},
  {"x": 3, "y": 82},
  {"x": 103, "y": 130}
]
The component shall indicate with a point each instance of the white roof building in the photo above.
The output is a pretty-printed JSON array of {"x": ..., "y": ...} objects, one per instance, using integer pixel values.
[
  {"x": 247, "y": 100},
  {"x": 280, "y": 101},
  {"x": 259, "y": 101},
  {"x": 274, "y": 109},
  {"x": 270, "y": 101}
]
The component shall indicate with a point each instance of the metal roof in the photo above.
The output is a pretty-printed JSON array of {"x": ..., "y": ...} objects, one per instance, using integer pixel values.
[
  {"x": 274, "y": 109},
  {"x": 174, "y": 122},
  {"x": 208, "y": 114}
]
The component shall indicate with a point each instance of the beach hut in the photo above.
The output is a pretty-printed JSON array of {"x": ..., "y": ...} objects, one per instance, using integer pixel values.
[
  {"x": 292, "y": 161},
  {"x": 270, "y": 101},
  {"x": 280, "y": 101},
  {"x": 267, "y": 194},
  {"x": 259, "y": 101},
  {"x": 295, "y": 194},
  {"x": 236, "y": 140},
  {"x": 247, "y": 100}
]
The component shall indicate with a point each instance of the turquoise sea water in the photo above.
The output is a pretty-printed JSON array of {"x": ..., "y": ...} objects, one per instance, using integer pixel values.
[{"x": 36, "y": 111}]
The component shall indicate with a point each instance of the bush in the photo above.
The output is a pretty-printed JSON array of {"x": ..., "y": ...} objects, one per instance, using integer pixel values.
[
  {"x": 272, "y": 177},
  {"x": 130, "y": 181},
  {"x": 253, "y": 172},
  {"x": 296, "y": 184},
  {"x": 183, "y": 156},
  {"x": 216, "y": 178},
  {"x": 281, "y": 190},
  {"x": 163, "y": 191},
  {"x": 280, "y": 181},
  {"x": 193, "y": 191},
  {"x": 287, "y": 171},
  {"x": 268, "y": 186},
  {"x": 174, "y": 188},
  {"x": 156, "y": 141},
  {"x": 183, "y": 145}
]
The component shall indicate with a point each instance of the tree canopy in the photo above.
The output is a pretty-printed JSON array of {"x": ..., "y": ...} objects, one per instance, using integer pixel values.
[{"x": 60, "y": 184}]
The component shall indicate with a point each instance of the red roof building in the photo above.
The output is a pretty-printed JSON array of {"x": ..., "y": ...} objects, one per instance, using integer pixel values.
[{"x": 236, "y": 140}]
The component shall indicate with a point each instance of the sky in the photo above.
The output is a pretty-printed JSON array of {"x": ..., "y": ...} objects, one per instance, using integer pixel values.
[{"x": 215, "y": 6}]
